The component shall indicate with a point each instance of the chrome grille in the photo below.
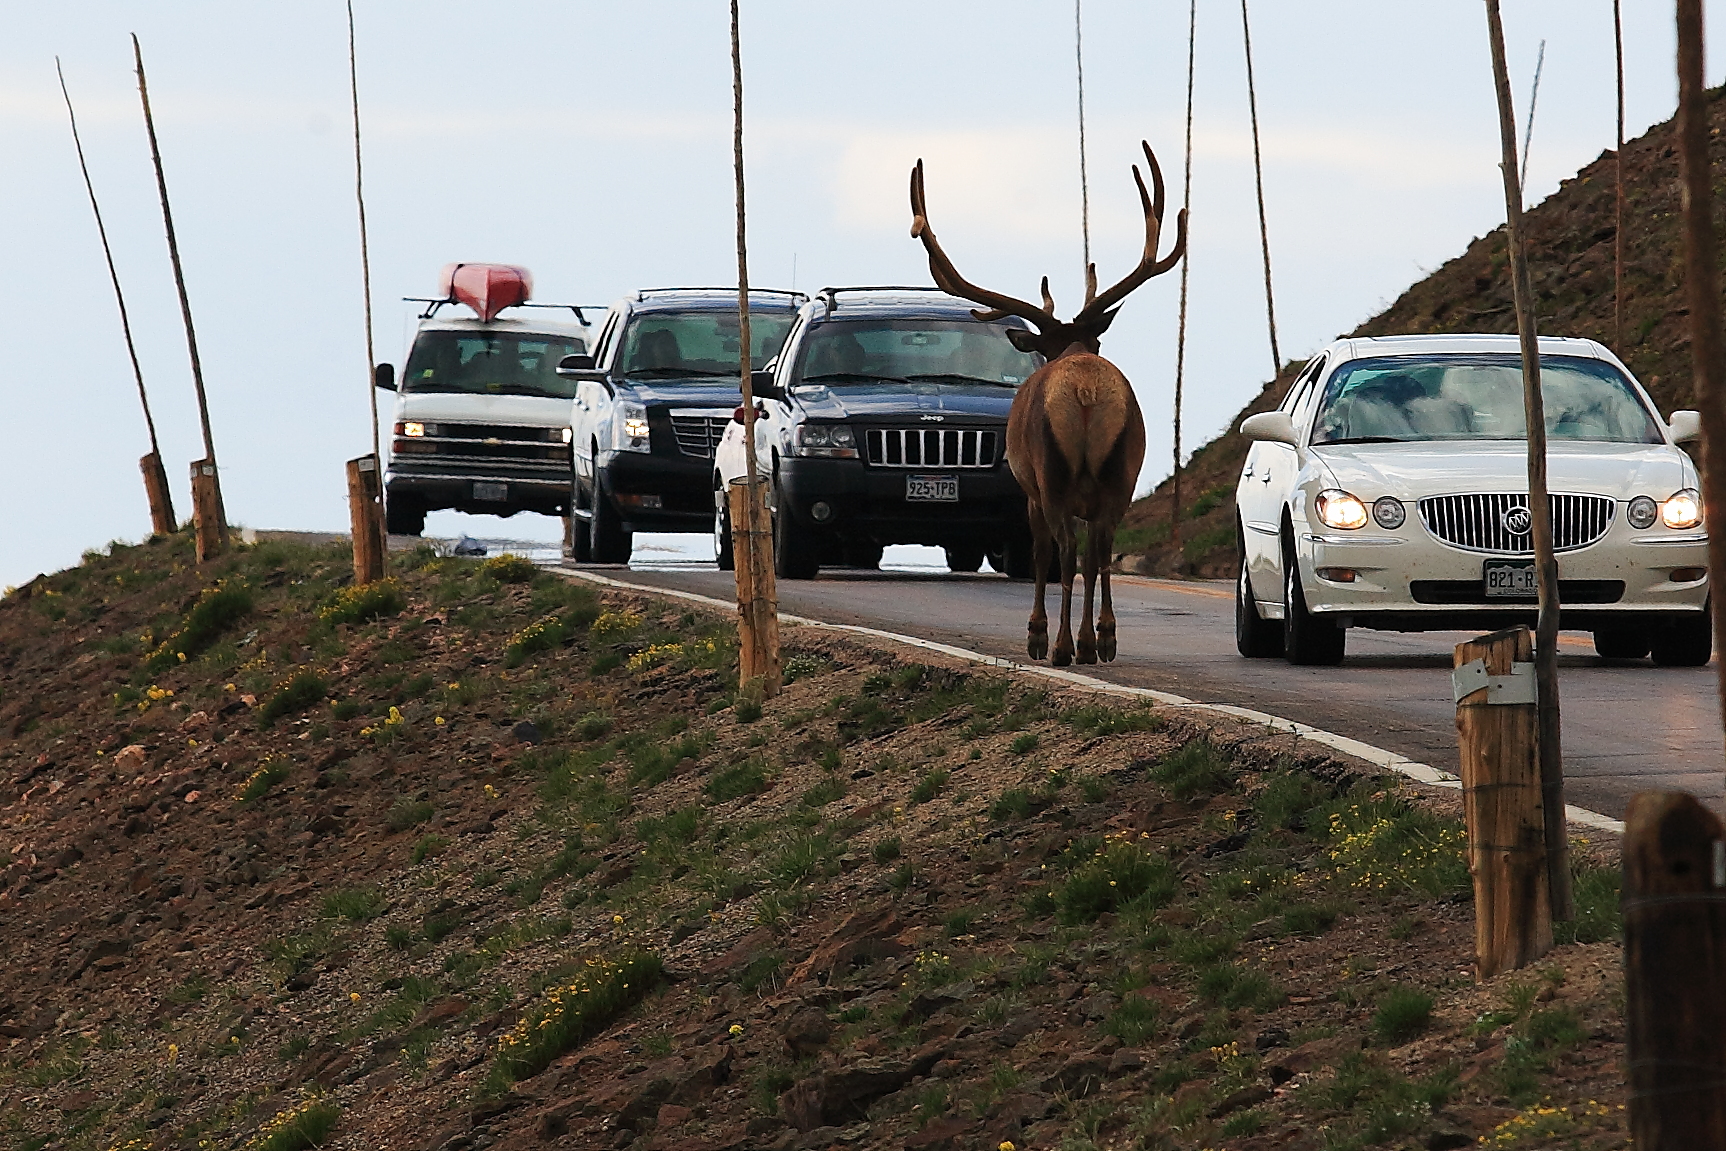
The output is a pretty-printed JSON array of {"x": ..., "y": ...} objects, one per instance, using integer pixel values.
[
  {"x": 931, "y": 447},
  {"x": 698, "y": 432},
  {"x": 1475, "y": 522}
]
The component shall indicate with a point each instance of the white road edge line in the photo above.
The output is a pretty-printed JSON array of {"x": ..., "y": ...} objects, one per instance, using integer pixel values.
[{"x": 1377, "y": 756}]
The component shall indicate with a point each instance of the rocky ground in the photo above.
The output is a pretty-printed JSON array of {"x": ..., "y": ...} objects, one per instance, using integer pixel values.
[
  {"x": 483, "y": 859},
  {"x": 1571, "y": 241}
]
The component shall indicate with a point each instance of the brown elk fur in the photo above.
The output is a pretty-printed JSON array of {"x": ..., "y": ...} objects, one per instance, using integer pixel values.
[{"x": 1075, "y": 437}]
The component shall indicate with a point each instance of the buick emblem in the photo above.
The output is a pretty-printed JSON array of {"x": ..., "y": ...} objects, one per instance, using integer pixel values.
[{"x": 1517, "y": 521}]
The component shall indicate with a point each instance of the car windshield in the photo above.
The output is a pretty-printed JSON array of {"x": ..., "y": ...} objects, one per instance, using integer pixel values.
[
  {"x": 683, "y": 345},
  {"x": 1395, "y": 399},
  {"x": 490, "y": 363},
  {"x": 896, "y": 351}
]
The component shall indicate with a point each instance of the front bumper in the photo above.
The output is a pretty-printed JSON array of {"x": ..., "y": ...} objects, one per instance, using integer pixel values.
[
  {"x": 436, "y": 488},
  {"x": 869, "y": 502},
  {"x": 654, "y": 492},
  {"x": 1407, "y": 580}
]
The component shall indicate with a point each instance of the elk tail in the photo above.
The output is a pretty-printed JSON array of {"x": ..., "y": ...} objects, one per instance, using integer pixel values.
[{"x": 1087, "y": 407}]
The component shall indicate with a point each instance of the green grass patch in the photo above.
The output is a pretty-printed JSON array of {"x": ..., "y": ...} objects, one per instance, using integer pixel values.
[
  {"x": 509, "y": 569},
  {"x": 1598, "y": 918},
  {"x": 1403, "y": 1013},
  {"x": 264, "y": 780},
  {"x": 1095, "y": 719},
  {"x": 407, "y": 812},
  {"x": 736, "y": 782},
  {"x": 930, "y": 785},
  {"x": 1198, "y": 768},
  {"x": 362, "y": 603},
  {"x": 571, "y": 1013},
  {"x": 308, "y": 1124},
  {"x": 297, "y": 693},
  {"x": 355, "y": 904},
  {"x": 1119, "y": 873},
  {"x": 218, "y": 608}
]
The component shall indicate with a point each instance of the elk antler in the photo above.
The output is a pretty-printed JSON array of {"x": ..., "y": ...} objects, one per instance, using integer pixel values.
[
  {"x": 947, "y": 277},
  {"x": 1149, "y": 265}
]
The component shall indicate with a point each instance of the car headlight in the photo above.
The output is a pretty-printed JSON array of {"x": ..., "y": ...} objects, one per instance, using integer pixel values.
[
  {"x": 1339, "y": 509},
  {"x": 1682, "y": 510},
  {"x": 835, "y": 441},
  {"x": 411, "y": 428},
  {"x": 1642, "y": 512},
  {"x": 568, "y": 435},
  {"x": 631, "y": 422},
  {"x": 1388, "y": 512}
]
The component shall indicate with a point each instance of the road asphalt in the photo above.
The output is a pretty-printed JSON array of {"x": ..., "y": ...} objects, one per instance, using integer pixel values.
[{"x": 1628, "y": 725}]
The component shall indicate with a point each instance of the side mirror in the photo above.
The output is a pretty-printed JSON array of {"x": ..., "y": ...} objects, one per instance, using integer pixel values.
[
  {"x": 384, "y": 376},
  {"x": 763, "y": 387},
  {"x": 1685, "y": 425},
  {"x": 1276, "y": 427},
  {"x": 579, "y": 362}
]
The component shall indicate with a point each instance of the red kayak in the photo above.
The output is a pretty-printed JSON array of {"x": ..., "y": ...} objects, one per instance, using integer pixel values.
[{"x": 486, "y": 288}]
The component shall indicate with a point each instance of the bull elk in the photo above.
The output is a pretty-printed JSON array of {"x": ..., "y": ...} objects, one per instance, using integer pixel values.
[{"x": 1075, "y": 438}]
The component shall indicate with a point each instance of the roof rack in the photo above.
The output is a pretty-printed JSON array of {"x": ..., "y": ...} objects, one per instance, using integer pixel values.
[
  {"x": 831, "y": 295},
  {"x": 434, "y": 304},
  {"x": 643, "y": 293}
]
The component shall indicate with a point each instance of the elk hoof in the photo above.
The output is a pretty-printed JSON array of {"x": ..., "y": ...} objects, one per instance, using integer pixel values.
[
  {"x": 1087, "y": 651},
  {"x": 1037, "y": 644},
  {"x": 1106, "y": 645},
  {"x": 1062, "y": 657}
]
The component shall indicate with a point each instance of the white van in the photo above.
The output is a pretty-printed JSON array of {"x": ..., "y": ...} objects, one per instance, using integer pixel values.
[{"x": 481, "y": 416}]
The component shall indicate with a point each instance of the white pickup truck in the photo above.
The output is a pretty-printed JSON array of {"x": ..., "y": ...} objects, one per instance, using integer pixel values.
[{"x": 481, "y": 416}]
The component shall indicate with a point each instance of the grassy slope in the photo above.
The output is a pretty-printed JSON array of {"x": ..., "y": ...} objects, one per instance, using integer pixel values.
[
  {"x": 1570, "y": 254},
  {"x": 926, "y": 906}
]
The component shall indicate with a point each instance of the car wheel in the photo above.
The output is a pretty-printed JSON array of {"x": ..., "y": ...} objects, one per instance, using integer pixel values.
[
  {"x": 1255, "y": 636},
  {"x": 863, "y": 555},
  {"x": 1686, "y": 644},
  {"x": 794, "y": 555},
  {"x": 1620, "y": 643},
  {"x": 964, "y": 558},
  {"x": 404, "y": 517},
  {"x": 607, "y": 542},
  {"x": 722, "y": 553},
  {"x": 1307, "y": 639}
]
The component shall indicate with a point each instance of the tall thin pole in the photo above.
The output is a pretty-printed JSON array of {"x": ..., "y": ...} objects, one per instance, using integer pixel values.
[
  {"x": 365, "y": 251},
  {"x": 746, "y": 365},
  {"x": 1259, "y": 185},
  {"x": 1533, "y": 100},
  {"x": 174, "y": 256},
  {"x": 1084, "y": 179},
  {"x": 1702, "y": 287},
  {"x": 155, "y": 478},
  {"x": 1618, "y": 193},
  {"x": 1181, "y": 330},
  {"x": 1539, "y": 505}
]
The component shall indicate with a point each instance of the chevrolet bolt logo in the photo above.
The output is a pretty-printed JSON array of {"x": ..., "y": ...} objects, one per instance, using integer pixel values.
[
  {"x": 1517, "y": 521},
  {"x": 934, "y": 419}
]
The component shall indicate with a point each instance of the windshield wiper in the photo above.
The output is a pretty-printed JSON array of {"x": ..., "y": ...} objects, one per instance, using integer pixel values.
[
  {"x": 1368, "y": 440},
  {"x": 674, "y": 374},
  {"x": 960, "y": 378},
  {"x": 853, "y": 377}
]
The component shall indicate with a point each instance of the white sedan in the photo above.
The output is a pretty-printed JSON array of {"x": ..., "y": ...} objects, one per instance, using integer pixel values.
[{"x": 1389, "y": 490}]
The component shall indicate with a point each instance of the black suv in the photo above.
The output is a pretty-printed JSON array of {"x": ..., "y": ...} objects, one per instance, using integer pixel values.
[
  {"x": 650, "y": 406},
  {"x": 888, "y": 424}
]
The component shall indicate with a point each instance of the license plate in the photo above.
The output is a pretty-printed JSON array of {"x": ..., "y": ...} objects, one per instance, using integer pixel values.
[
  {"x": 1510, "y": 579},
  {"x": 932, "y": 489},
  {"x": 497, "y": 492}
]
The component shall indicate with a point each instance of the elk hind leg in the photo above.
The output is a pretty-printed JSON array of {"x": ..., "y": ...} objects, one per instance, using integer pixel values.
[
  {"x": 1037, "y": 630},
  {"x": 1097, "y": 567},
  {"x": 1068, "y": 544},
  {"x": 1087, "y": 636}
]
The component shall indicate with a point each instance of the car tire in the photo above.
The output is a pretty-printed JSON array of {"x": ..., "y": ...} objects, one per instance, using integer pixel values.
[
  {"x": 1686, "y": 644},
  {"x": 865, "y": 556},
  {"x": 607, "y": 542},
  {"x": 404, "y": 516},
  {"x": 722, "y": 553},
  {"x": 1307, "y": 639},
  {"x": 794, "y": 555},
  {"x": 964, "y": 558},
  {"x": 1255, "y": 636},
  {"x": 1621, "y": 643}
]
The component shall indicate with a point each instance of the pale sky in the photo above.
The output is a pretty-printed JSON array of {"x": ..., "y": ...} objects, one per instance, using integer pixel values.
[{"x": 592, "y": 143}]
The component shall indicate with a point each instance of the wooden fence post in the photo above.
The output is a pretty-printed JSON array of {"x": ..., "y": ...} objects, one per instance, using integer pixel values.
[
  {"x": 757, "y": 603},
  {"x": 1496, "y": 729},
  {"x": 210, "y": 527},
  {"x": 156, "y": 488},
  {"x": 1675, "y": 972},
  {"x": 363, "y": 501}
]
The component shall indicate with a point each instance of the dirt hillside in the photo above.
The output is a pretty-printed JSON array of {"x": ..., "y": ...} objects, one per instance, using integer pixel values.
[
  {"x": 478, "y": 858},
  {"x": 1570, "y": 258}
]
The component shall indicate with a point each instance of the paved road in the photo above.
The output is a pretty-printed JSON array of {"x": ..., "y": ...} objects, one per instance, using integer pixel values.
[{"x": 1627, "y": 726}]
